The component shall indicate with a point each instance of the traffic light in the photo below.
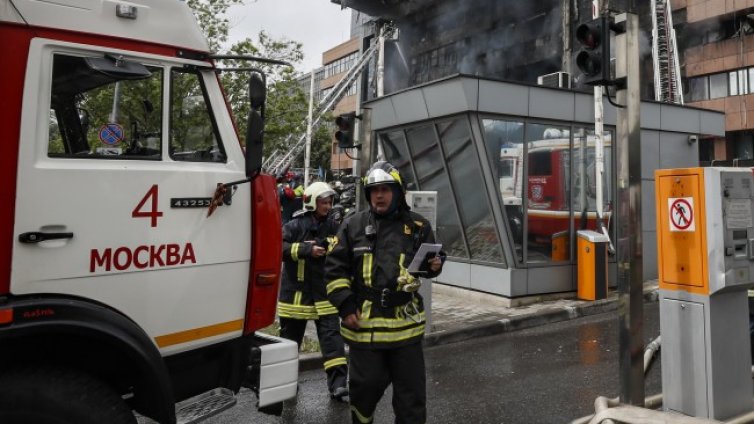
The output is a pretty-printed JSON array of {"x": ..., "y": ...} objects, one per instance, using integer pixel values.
[
  {"x": 344, "y": 134},
  {"x": 594, "y": 58}
]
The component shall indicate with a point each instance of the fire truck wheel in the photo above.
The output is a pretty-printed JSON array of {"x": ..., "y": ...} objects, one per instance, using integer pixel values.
[{"x": 48, "y": 395}]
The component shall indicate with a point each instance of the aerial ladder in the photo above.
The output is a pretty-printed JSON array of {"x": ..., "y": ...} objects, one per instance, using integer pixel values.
[
  {"x": 279, "y": 162},
  {"x": 667, "y": 74}
]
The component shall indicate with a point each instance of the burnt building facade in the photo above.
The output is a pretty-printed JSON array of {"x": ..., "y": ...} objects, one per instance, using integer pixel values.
[
  {"x": 716, "y": 40},
  {"x": 508, "y": 40}
]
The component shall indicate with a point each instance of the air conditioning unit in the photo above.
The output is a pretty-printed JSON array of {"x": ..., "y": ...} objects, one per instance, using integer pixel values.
[{"x": 555, "y": 79}]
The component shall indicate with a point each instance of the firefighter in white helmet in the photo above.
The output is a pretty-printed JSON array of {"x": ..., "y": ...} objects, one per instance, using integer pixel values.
[
  {"x": 307, "y": 240},
  {"x": 382, "y": 313}
]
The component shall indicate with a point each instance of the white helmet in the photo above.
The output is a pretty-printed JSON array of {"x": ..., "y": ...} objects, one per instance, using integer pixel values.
[{"x": 318, "y": 190}]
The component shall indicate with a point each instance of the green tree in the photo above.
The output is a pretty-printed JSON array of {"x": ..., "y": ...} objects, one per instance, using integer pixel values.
[{"x": 287, "y": 103}]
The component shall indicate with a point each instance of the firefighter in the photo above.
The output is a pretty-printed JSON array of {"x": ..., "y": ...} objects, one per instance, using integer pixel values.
[
  {"x": 287, "y": 197},
  {"x": 381, "y": 311},
  {"x": 307, "y": 239}
]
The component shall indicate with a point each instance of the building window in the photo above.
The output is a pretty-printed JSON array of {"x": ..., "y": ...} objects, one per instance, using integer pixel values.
[
  {"x": 505, "y": 149},
  {"x": 738, "y": 82},
  {"x": 469, "y": 189},
  {"x": 431, "y": 176},
  {"x": 698, "y": 89},
  {"x": 548, "y": 207},
  {"x": 341, "y": 65},
  {"x": 718, "y": 86},
  {"x": 396, "y": 152},
  {"x": 584, "y": 179}
]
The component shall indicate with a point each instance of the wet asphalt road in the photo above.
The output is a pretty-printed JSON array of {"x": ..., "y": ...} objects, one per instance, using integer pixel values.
[{"x": 549, "y": 374}]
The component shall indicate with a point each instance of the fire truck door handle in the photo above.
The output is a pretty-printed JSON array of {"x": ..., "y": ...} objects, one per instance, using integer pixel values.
[{"x": 36, "y": 236}]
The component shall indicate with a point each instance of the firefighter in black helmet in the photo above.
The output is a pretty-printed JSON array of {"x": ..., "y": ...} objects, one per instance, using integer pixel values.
[
  {"x": 307, "y": 239},
  {"x": 381, "y": 311}
]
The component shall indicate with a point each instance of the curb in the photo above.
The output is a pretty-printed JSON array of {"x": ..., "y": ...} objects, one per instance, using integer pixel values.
[{"x": 311, "y": 361}]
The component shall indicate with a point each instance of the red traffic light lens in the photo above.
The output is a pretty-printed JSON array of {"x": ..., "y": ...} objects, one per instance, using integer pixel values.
[{"x": 589, "y": 36}]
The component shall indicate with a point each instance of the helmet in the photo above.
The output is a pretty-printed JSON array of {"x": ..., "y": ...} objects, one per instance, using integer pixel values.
[
  {"x": 316, "y": 191},
  {"x": 383, "y": 172}
]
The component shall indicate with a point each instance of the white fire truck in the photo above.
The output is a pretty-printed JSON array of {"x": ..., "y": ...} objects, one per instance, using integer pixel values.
[{"x": 118, "y": 291}]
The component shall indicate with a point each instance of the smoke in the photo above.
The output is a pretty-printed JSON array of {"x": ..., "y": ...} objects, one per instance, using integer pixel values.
[{"x": 502, "y": 39}]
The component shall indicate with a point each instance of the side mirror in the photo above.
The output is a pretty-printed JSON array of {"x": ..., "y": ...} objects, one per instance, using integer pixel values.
[
  {"x": 257, "y": 90},
  {"x": 255, "y": 124}
]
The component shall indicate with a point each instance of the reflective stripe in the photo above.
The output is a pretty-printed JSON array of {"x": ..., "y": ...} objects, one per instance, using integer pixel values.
[
  {"x": 366, "y": 269},
  {"x": 335, "y": 362},
  {"x": 381, "y": 336},
  {"x": 294, "y": 251},
  {"x": 297, "y": 298},
  {"x": 362, "y": 419},
  {"x": 331, "y": 242},
  {"x": 325, "y": 308},
  {"x": 391, "y": 322},
  {"x": 286, "y": 310},
  {"x": 198, "y": 333},
  {"x": 340, "y": 283},
  {"x": 366, "y": 310},
  {"x": 300, "y": 271}
]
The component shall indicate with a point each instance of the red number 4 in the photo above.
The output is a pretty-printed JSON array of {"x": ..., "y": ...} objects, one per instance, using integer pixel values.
[{"x": 154, "y": 213}]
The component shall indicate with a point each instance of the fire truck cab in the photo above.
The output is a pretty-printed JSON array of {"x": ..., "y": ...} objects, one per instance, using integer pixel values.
[{"x": 118, "y": 291}]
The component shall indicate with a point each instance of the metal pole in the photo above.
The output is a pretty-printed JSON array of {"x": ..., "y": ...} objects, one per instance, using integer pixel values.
[
  {"x": 308, "y": 151},
  {"x": 116, "y": 104},
  {"x": 381, "y": 78},
  {"x": 599, "y": 146},
  {"x": 630, "y": 278}
]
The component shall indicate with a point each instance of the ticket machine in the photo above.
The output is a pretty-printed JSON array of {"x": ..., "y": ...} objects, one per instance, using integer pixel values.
[{"x": 705, "y": 244}]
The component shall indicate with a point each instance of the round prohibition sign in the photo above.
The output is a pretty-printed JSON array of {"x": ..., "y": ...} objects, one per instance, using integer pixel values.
[
  {"x": 111, "y": 134},
  {"x": 681, "y": 214}
]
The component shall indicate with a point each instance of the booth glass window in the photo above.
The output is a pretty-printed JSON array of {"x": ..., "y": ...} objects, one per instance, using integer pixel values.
[
  {"x": 431, "y": 176},
  {"x": 471, "y": 195},
  {"x": 584, "y": 179},
  {"x": 505, "y": 146},
  {"x": 396, "y": 152},
  {"x": 548, "y": 204}
]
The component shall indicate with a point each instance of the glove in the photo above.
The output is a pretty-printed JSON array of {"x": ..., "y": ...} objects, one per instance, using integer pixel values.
[{"x": 407, "y": 282}]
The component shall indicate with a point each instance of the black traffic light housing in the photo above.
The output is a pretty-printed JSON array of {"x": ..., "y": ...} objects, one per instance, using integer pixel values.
[
  {"x": 593, "y": 58},
  {"x": 344, "y": 134}
]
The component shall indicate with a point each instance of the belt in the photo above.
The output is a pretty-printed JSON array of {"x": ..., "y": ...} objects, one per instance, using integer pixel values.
[{"x": 386, "y": 298}]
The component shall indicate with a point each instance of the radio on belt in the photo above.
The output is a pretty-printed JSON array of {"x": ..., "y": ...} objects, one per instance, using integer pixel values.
[{"x": 705, "y": 259}]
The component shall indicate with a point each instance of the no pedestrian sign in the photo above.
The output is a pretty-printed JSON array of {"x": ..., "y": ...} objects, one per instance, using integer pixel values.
[{"x": 681, "y": 213}]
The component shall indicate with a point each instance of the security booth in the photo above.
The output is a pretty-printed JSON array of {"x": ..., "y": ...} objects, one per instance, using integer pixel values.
[
  {"x": 705, "y": 221},
  {"x": 513, "y": 166}
]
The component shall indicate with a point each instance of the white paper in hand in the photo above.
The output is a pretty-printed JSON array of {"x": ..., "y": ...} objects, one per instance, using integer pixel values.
[{"x": 421, "y": 255}]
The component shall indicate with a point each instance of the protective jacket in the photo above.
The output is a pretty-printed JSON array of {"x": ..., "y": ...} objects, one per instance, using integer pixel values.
[
  {"x": 302, "y": 292},
  {"x": 362, "y": 271}
]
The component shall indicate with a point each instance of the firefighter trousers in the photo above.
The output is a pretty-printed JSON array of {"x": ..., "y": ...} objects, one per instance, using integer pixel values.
[
  {"x": 373, "y": 370},
  {"x": 330, "y": 344}
]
